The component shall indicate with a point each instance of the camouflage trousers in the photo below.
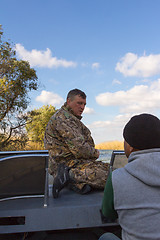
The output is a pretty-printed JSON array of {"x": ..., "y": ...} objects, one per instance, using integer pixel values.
[{"x": 82, "y": 172}]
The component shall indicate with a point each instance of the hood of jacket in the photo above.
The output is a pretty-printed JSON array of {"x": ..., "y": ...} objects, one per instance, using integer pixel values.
[{"x": 145, "y": 165}]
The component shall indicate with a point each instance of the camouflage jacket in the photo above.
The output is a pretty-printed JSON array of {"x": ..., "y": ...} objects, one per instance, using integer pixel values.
[{"x": 66, "y": 137}]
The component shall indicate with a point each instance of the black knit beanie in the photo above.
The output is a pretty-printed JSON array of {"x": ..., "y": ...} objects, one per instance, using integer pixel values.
[{"x": 143, "y": 132}]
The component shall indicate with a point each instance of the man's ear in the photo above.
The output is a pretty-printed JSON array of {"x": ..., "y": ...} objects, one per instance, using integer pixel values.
[{"x": 68, "y": 101}]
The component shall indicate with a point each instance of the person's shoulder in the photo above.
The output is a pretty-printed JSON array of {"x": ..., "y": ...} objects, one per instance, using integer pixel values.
[
  {"x": 119, "y": 172},
  {"x": 61, "y": 115}
]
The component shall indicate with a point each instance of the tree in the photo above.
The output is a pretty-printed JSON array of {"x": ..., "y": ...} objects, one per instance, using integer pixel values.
[
  {"x": 37, "y": 122},
  {"x": 17, "y": 79}
]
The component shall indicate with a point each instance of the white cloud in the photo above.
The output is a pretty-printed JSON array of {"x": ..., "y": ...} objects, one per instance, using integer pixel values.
[
  {"x": 115, "y": 81},
  {"x": 140, "y": 98},
  {"x": 95, "y": 65},
  {"x": 143, "y": 66},
  {"x": 88, "y": 110},
  {"x": 47, "y": 97},
  {"x": 118, "y": 120},
  {"x": 103, "y": 131},
  {"x": 38, "y": 58}
]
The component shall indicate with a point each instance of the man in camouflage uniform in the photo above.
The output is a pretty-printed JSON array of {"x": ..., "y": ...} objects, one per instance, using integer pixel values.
[{"x": 72, "y": 153}]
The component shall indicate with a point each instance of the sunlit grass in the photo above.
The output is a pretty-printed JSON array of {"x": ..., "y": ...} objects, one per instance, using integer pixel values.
[
  {"x": 113, "y": 145},
  {"x": 33, "y": 146}
]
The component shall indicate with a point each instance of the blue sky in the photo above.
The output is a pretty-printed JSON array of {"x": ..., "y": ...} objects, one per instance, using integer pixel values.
[{"x": 110, "y": 49}]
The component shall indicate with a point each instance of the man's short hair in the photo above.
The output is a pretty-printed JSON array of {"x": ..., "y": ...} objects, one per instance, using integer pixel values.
[{"x": 76, "y": 92}]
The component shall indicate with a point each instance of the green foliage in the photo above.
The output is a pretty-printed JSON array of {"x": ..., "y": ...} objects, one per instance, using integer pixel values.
[
  {"x": 17, "y": 79},
  {"x": 37, "y": 122}
]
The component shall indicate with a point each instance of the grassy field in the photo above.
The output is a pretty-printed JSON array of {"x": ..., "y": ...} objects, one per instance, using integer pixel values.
[
  {"x": 113, "y": 145},
  {"x": 34, "y": 146}
]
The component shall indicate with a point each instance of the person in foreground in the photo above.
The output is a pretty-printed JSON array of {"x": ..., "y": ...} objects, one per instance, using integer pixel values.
[
  {"x": 72, "y": 153},
  {"x": 132, "y": 193}
]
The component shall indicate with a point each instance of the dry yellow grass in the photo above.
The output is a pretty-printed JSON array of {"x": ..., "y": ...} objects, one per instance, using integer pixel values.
[
  {"x": 113, "y": 145},
  {"x": 34, "y": 146}
]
